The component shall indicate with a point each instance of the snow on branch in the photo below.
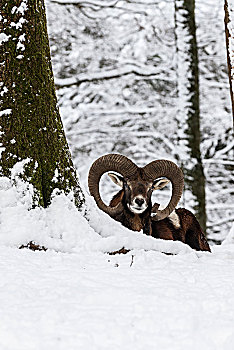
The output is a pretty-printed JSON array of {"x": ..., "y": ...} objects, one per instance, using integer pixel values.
[
  {"x": 105, "y": 4},
  {"x": 225, "y": 150},
  {"x": 221, "y": 222},
  {"x": 96, "y": 6},
  {"x": 127, "y": 110},
  {"x": 218, "y": 161},
  {"x": 143, "y": 71},
  {"x": 87, "y": 3}
]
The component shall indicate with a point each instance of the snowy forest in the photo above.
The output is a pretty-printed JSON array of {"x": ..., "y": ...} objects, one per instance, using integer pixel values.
[
  {"x": 122, "y": 66},
  {"x": 144, "y": 88}
]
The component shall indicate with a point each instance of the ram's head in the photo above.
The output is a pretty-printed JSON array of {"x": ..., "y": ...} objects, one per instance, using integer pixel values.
[{"x": 137, "y": 183}]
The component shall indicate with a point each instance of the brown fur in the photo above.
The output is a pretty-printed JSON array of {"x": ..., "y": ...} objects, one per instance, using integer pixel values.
[
  {"x": 189, "y": 232},
  {"x": 128, "y": 219},
  {"x": 136, "y": 223},
  {"x": 117, "y": 199}
]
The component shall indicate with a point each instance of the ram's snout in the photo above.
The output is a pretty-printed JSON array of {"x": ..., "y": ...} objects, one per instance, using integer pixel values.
[{"x": 138, "y": 205}]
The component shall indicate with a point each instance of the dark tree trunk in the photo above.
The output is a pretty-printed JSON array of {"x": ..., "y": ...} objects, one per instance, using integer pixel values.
[
  {"x": 188, "y": 105},
  {"x": 31, "y": 127},
  {"x": 230, "y": 54}
]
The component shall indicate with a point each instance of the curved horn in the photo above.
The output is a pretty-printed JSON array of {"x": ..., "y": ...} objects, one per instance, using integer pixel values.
[
  {"x": 109, "y": 162},
  {"x": 159, "y": 168}
]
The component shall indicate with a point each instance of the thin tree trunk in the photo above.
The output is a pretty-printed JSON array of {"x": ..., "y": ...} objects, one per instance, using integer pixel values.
[
  {"x": 188, "y": 115},
  {"x": 229, "y": 30},
  {"x": 31, "y": 127}
]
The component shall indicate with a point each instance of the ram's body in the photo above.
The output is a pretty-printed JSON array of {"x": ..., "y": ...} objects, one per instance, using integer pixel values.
[
  {"x": 180, "y": 225},
  {"x": 132, "y": 205}
]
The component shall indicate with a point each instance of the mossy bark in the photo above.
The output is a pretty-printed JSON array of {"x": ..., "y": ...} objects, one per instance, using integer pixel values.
[
  {"x": 193, "y": 168},
  {"x": 31, "y": 126}
]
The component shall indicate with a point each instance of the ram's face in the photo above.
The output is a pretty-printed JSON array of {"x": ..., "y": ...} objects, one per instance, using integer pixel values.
[{"x": 137, "y": 194}]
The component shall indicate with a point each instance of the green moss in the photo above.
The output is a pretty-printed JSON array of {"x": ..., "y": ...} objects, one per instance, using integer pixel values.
[{"x": 34, "y": 124}]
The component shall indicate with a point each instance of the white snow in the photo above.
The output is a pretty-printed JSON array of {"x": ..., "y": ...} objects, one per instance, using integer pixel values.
[
  {"x": 56, "y": 174},
  {"x": 19, "y": 24},
  {"x": 76, "y": 296},
  {"x": 5, "y": 112},
  {"x": 95, "y": 301},
  {"x": 3, "y": 38},
  {"x": 2, "y": 149},
  {"x": 90, "y": 300},
  {"x": 20, "y": 45},
  {"x": 4, "y": 90},
  {"x": 61, "y": 227},
  {"x": 23, "y": 7}
]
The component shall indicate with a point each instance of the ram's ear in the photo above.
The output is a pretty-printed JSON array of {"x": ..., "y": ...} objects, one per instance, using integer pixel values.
[
  {"x": 160, "y": 183},
  {"x": 117, "y": 179}
]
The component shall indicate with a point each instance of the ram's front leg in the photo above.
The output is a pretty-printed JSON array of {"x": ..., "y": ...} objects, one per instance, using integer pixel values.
[{"x": 147, "y": 229}]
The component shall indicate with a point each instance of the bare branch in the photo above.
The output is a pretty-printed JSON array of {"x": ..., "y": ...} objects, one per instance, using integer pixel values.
[
  {"x": 119, "y": 111},
  {"x": 143, "y": 71},
  {"x": 221, "y": 222},
  {"x": 98, "y": 5},
  {"x": 218, "y": 161},
  {"x": 86, "y": 14},
  {"x": 146, "y": 3},
  {"x": 87, "y": 3}
]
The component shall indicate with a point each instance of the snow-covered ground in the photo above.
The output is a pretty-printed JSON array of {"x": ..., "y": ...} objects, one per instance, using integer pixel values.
[
  {"x": 91, "y": 300},
  {"x": 77, "y": 296}
]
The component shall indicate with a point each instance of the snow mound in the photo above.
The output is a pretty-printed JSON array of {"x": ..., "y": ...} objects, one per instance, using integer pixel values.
[
  {"x": 63, "y": 228},
  {"x": 75, "y": 297}
]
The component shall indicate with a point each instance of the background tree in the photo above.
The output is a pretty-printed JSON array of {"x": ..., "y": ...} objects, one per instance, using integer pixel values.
[
  {"x": 31, "y": 128},
  {"x": 188, "y": 115},
  {"x": 115, "y": 66},
  {"x": 229, "y": 30}
]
